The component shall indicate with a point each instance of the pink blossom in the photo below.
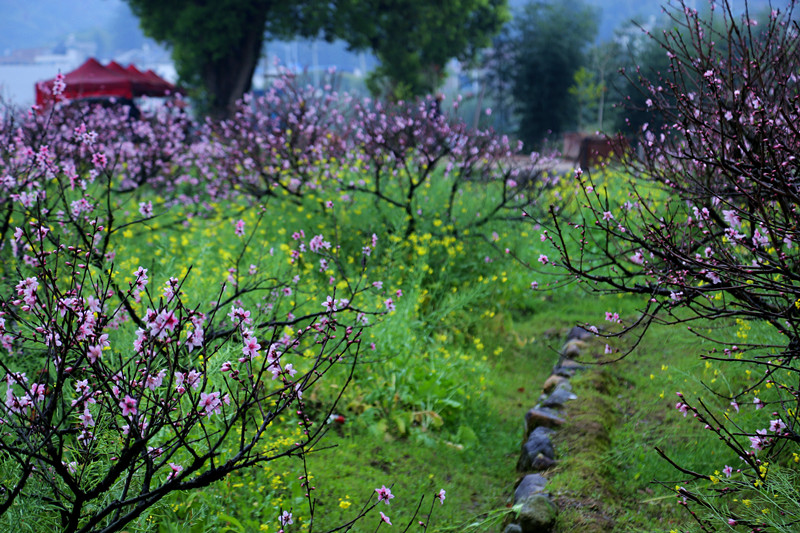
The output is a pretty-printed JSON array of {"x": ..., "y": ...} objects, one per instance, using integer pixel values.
[
  {"x": 732, "y": 218},
  {"x": 141, "y": 278},
  {"x": 384, "y": 494},
  {"x": 317, "y": 243},
  {"x": 286, "y": 518},
  {"x": 86, "y": 417},
  {"x": 727, "y": 471},
  {"x": 776, "y": 425},
  {"x": 239, "y": 228},
  {"x": 193, "y": 379},
  {"x": 194, "y": 338},
  {"x": 180, "y": 377},
  {"x": 146, "y": 209},
  {"x": 37, "y": 392},
  {"x": 440, "y": 495},
  {"x": 99, "y": 160},
  {"x": 210, "y": 403},
  {"x": 128, "y": 406},
  {"x": 239, "y": 315},
  {"x": 329, "y": 304},
  {"x": 385, "y": 518},
  {"x": 59, "y": 85},
  {"x": 176, "y": 469},
  {"x": 94, "y": 353},
  {"x": 543, "y": 259},
  {"x": 250, "y": 348},
  {"x": 759, "y": 441},
  {"x": 153, "y": 381}
]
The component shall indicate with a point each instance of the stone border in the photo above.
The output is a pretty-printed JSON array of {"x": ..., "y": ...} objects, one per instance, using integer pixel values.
[{"x": 537, "y": 512}]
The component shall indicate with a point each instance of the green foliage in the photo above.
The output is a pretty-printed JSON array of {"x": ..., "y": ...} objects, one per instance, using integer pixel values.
[
  {"x": 551, "y": 43},
  {"x": 216, "y": 45},
  {"x": 208, "y": 42},
  {"x": 772, "y": 505},
  {"x": 588, "y": 94},
  {"x": 415, "y": 39}
]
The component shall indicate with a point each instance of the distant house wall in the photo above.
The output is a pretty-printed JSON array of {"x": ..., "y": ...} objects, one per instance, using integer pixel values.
[{"x": 17, "y": 82}]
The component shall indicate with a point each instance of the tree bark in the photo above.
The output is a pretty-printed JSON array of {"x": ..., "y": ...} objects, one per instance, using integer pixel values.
[{"x": 228, "y": 77}]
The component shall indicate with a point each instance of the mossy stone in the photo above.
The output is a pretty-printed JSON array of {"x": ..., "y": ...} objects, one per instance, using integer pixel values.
[{"x": 538, "y": 514}]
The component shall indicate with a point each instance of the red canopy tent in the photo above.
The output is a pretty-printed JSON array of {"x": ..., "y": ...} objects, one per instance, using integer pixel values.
[
  {"x": 164, "y": 87},
  {"x": 94, "y": 80},
  {"x": 89, "y": 80},
  {"x": 142, "y": 85}
]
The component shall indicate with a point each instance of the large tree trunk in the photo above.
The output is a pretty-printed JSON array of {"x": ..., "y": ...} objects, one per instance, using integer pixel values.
[{"x": 229, "y": 76}]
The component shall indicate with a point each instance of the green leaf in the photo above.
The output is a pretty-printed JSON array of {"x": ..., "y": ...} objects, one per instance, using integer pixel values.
[
  {"x": 466, "y": 436},
  {"x": 378, "y": 428},
  {"x": 232, "y": 521},
  {"x": 400, "y": 420}
]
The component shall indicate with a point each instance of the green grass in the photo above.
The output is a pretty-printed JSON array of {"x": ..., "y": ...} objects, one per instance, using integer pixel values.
[
  {"x": 610, "y": 477},
  {"x": 478, "y": 476},
  {"x": 439, "y": 402},
  {"x": 608, "y": 464}
]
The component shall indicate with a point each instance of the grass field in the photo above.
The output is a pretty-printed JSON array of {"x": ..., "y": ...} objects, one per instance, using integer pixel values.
[{"x": 461, "y": 316}]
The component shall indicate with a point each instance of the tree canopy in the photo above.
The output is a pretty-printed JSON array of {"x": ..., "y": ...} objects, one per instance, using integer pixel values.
[
  {"x": 216, "y": 45},
  {"x": 550, "y": 39},
  {"x": 414, "y": 39}
]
